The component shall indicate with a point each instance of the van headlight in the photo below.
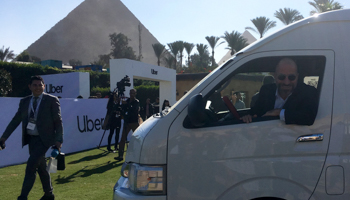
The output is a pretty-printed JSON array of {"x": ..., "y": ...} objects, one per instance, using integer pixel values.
[{"x": 145, "y": 179}]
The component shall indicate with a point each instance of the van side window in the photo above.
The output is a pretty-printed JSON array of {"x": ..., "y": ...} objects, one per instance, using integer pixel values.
[{"x": 240, "y": 90}]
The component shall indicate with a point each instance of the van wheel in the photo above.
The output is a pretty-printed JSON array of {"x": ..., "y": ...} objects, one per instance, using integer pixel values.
[{"x": 267, "y": 198}]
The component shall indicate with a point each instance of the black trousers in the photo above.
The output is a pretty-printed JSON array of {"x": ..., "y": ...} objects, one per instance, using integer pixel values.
[
  {"x": 111, "y": 132},
  {"x": 36, "y": 163},
  {"x": 115, "y": 124}
]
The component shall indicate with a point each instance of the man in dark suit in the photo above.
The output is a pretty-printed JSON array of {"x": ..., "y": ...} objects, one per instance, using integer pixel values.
[
  {"x": 292, "y": 101},
  {"x": 131, "y": 121},
  {"x": 40, "y": 114}
]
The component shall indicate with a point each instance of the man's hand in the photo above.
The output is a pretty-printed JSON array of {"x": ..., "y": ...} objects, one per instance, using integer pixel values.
[
  {"x": 248, "y": 118},
  {"x": 2, "y": 143},
  {"x": 274, "y": 112},
  {"x": 58, "y": 146}
]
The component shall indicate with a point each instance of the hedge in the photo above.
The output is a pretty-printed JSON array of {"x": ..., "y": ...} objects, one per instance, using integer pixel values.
[
  {"x": 99, "y": 81},
  {"x": 21, "y": 74}
]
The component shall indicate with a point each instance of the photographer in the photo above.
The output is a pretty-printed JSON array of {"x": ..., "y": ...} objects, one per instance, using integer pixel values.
[
  {"x": 114, "y": 111},
  {"x": 131, "y": 118}
]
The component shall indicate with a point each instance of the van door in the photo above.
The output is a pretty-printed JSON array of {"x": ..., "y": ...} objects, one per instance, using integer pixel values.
[{"x": 228, "y": 159}]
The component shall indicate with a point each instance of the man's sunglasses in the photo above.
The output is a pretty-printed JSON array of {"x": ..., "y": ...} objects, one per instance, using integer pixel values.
[{"x": 291, "y": 77}]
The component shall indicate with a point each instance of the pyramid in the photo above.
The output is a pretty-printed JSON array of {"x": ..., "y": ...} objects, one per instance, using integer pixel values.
[{"x": 84, "y": 33}]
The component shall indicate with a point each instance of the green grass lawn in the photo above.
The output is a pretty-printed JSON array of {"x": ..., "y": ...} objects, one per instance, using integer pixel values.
[{"x": 88, "y": 175}]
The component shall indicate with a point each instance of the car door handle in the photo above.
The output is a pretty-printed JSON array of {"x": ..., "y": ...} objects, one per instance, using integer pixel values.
[{"x": 310, "y": 138}]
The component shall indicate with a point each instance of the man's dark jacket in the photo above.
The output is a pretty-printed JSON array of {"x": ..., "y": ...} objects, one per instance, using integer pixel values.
[
  {"x": 133, "y": 110},
  {"x": 300, "y": 108},
  {"x": 49, "y": 121}
]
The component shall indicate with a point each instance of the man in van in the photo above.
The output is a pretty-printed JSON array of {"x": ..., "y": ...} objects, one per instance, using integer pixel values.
[{"x": 292, "y": 101}]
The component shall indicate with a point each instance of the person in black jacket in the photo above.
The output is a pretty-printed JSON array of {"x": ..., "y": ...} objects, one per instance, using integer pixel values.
[
  {"x": 114, "y": 111},
  {"x": 131, "y": 120},
  {"x": 292, "y": 101}
]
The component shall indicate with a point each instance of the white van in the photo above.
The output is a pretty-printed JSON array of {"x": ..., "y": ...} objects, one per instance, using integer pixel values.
[{"x": 175, "y": 156}]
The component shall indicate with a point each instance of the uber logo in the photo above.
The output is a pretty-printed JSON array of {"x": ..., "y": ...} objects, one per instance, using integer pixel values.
[
  {"x": 154, "y": 72},
  {"x": 89, "y": 125},
  {"x": 54, "y": 89}
]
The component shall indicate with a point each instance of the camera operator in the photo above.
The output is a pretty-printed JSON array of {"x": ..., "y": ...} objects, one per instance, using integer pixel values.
[
  {"x": 131, "y": 122},
  {"x": 114, "y": 111}
]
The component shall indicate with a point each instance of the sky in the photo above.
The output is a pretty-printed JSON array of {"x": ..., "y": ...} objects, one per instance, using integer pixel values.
[{"x": 188, "y": 20}]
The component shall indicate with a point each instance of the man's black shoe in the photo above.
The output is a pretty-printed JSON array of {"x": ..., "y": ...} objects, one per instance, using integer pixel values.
[
  {"x": 118, "y": 158},
  {"x": 110, "y": 150},
  {"x": 48, "y": 197}
]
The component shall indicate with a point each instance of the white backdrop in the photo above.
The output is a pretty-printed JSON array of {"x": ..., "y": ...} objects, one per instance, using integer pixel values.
[
  {"x": 68, "y": 85},
  {"x": 82, "y": 122}
]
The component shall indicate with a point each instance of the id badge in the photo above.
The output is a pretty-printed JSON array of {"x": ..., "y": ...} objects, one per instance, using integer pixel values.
[{"x": 31, "y": 124}]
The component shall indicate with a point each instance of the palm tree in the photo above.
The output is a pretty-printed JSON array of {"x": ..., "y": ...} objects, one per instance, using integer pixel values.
[
  {"x": 235, "y": 41},
  {"x": 262, "y": 24},
  {"x": 174, "y": 49},
  {"x": 202, "y": 50},
  {"x": 6, "y": 54},
  {"x": 180, "y": 46},
  {"x": 188, "y": 48},
  {"x": 158, "y": 50},
  {"x": 169, "y": 60},
  {"x": 324, "y": 6},
  {"x": 288, "y": 15},
  {"x": 212, "y": 40}
]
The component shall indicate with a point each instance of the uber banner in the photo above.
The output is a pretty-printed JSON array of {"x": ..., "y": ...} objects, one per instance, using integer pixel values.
[
  {"x": 68, "y": 85},
  {"x": 82, "y": 123}
]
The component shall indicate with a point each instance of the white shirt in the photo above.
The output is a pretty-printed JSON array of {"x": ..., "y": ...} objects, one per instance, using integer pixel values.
[
  {"x": 279, "y": 103},
  {"x": 35, "y": 131}
]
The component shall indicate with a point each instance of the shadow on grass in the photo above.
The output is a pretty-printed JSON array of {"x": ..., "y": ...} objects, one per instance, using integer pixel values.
[
  {"x": 89, "y": 158},
  {"x": 88, "y": 171}
]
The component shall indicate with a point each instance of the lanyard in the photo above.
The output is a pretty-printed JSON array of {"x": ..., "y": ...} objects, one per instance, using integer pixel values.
[{"x": 37, "y": 106}]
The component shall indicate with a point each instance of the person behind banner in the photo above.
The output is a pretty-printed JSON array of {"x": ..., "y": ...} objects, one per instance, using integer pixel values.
[
  {"x": 40, "y": 114},
  {"x": 147, "y": 110},
  {"x": 166, "y": 104}
]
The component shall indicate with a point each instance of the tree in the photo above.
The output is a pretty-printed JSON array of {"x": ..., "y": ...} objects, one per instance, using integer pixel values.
[
  {"x": 213, "y": 40},
  {"x": 174, "y": 49},
  {"x": 188, "y": 48},
  {"x": 120, "y": 48},
  {"x": 103, "y": 60},
  {"x": 5, "y": 82},
  {"x": 235, "y": 41},
  {"x": 6, "y": 54},
  {"x": 158, "y": 50},
  {"x": 181, "y": 47},
  {"x": 288, "y": 15},
  {"x": 74, "y": 62},
  {"x": 24, "y": 57},
  {"x": 203, "y": 54},
  {"x": 36, "y": 59},
  {"x": 169, "y": 61},
  {"x": 324, "y": 6},
  {"x": 262, "y": 25}
]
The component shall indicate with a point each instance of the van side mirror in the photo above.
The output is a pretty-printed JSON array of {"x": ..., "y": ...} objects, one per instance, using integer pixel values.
[{"x": 196, "y": 111}]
